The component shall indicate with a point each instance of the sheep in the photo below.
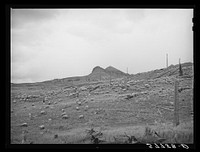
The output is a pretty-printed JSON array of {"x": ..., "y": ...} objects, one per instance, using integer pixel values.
[
  {"x": 24, "y": 125},
  {"x": 41, "y": 127},
  {"x": 43, "y": 112},
  {"x": 81, "y": 116},
  {"x": 79, "y": 103},
  {"x": 64, "y": 113},
  {"x": 86, "y": 107},
  {"x": 30, "y": 115},
  {"x": 65, "y": 116}
]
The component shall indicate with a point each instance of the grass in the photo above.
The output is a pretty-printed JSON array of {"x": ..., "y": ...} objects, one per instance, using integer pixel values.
[
  {"x": 122, "y": 119},
  {"x": 134, "y": 135}
]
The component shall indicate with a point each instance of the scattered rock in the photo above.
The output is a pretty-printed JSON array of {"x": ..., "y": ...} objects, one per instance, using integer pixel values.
[
  {"x": 49, "y": 119},
  {"x": 77, "y": 108},
  {"x": 14, "y": 101},
  {"x": 30, "y": 115},
  {"x": 46, "y": 107},
  {"x": 55, "y": 136},
  {"x": 129, "y": 97},
  {"x": 79, "y": 103}
]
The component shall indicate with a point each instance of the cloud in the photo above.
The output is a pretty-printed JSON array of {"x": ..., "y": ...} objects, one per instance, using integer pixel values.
[
  {"x": 22, "y": 17},
  {"x": 60, "y": 43}
]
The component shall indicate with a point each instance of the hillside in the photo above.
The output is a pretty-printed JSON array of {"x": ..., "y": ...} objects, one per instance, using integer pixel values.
[
  {"x": 100, "y": 74},
  {"x": 63, "y": 111},
  {"x": 172, "y": 70}
]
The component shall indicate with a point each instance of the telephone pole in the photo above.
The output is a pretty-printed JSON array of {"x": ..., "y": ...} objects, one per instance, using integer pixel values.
[
  {"x": 167, "y": 60},
  {"x": 180, "y": 68}
]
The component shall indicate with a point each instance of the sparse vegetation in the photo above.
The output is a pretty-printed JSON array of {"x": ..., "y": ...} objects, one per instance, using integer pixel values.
[{"x": 137, "y": 111}]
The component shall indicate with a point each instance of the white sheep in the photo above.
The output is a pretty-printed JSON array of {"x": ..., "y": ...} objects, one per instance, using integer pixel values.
[
  {"x": 65, "y": 116},
  {"x": 81, "y": 116},
  {"x": 24, "y": 124},
  {"x": 64, "y": 113},
  {"x": 42, "y": 112},
  {"x": 41, "y": 126}
]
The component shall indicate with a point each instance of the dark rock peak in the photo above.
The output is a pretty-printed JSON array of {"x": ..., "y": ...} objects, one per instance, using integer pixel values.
[
  {"x": 112, "y": 69},
  {"x": 97, "y": 69}
]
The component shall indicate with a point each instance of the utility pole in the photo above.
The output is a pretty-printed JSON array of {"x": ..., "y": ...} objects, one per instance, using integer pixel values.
[
  {"x": 167, "y": 60},
  {"x": 127, "y": 79},
  {"x": 180, "y": 68}
]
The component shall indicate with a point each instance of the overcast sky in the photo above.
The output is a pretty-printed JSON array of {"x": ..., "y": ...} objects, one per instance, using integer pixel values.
[{"x": 58, "y": 43}]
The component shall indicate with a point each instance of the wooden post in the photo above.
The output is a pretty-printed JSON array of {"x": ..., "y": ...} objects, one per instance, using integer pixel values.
[{"x": 176, "y": 104}]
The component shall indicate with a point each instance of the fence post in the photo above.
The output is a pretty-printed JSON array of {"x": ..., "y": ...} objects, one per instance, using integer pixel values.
[{"x": 176, "y": 104}]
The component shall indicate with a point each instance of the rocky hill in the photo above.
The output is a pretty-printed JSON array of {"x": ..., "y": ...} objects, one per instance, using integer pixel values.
[{"x": 98, "y": 73}]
